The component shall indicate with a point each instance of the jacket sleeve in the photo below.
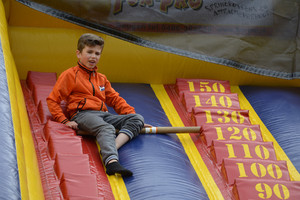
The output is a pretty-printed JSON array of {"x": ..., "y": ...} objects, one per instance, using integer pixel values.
[
  {"x": 62, "y": 89},
  {"x": 114, "y": 100}
]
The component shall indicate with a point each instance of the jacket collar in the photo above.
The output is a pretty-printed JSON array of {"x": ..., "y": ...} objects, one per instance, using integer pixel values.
[{"x": 88, "y": 70}]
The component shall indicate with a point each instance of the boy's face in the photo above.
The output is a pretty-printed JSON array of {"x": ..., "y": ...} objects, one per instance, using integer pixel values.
[{"x": 89, "y": 56}]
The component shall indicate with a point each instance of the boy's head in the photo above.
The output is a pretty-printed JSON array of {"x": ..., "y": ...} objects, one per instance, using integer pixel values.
[
  {"x": 89, "y": 49},
  {"x": 89, "y": 39}
]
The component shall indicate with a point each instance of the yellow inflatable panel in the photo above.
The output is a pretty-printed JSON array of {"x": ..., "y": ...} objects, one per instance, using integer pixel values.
[{"x": 29, "y": 176}]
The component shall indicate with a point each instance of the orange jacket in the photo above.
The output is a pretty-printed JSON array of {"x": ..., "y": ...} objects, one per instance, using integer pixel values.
[{"x": 84, "y": 89}]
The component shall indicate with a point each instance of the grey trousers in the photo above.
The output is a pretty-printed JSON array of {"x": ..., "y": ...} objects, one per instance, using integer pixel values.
[{"x": 103, "y": 126}]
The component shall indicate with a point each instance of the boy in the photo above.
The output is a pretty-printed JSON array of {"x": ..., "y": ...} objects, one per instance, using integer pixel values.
[{"x": 86, "y": 92}]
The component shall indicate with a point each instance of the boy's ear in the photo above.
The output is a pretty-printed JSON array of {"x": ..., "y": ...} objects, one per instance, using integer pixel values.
[{"x": 78, "y": 53}]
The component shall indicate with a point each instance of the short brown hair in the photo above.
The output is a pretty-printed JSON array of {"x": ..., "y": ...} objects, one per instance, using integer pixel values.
[{"x": 89, "y": 39}]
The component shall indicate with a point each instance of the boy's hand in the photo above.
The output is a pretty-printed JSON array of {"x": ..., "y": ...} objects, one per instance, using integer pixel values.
[
  {"x": 147, "y": 126},
  {"x": 72, "y": 124}
]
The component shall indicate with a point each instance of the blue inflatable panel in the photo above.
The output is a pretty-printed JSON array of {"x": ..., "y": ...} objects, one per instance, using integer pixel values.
[
  {"x": 9, "y": 175},
  {"x": 160, "y": 165},
  {"x": 279, "y": 109}
]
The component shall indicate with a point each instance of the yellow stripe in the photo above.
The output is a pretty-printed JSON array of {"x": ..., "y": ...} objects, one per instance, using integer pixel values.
[
  {"x": 267, "y": 136},
  {"x": 202, "y": 171},
  {"x": 118, "y": 186},
  {"x": 29, "y": 176}
]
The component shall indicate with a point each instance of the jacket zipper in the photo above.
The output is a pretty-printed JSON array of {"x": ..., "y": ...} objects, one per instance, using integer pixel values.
[
  {"x": 94, "y": 89},
  {"x": 92, "y": 84}
]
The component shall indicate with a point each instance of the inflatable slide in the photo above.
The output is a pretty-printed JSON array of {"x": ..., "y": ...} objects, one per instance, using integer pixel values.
[{"x": 248, "y": 113}]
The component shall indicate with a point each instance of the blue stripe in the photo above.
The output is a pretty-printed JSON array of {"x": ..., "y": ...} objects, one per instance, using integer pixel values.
[
  {"x": 160, "y": 166},
  {"x": 9, "y": 175},
  {"x": 279, "y": 109}
]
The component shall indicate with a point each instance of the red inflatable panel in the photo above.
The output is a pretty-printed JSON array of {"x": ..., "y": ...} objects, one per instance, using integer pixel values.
[
  {"x": 201, "y": 85},
  {"x": 254, "y": 168},
  {"x": 67, "y": 145},
  {"x": 241, "y": 149},
  {"x": 77, "y": 164},
  {"x": 240, "y": 132},
  {"x": 43, "y": 112},
  {"x": 201, "y": 116},
  {"x": 40, "y": 78},
  {"x": 214, "y": 100},
  {"x": 54, "y": 129},
  {"x": 73, "y": 185},
  {"x": 245, "y": 189},
  {"x": 84, "y": 197},
  {"x": 41, "y": 92},
  {"x": 52, "y": 138}
]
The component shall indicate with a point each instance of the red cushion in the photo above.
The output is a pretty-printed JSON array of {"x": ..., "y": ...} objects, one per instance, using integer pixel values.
[
  {"x": 78, "y": 185},
  {"x": 254, "y": 168},
  {"x": 78, "y": 164},
  {"x": 201, "y": 116},
  {"x": 65, "y": 145},
  {"x": 245, "y": 189},
  {"x": 241, "y": 149},
  {"x": 40, "y": 78},
  {"x": 240, "y": 132},
  {"x": 201, "y": 85},
  {"x": 214, "y": 100},
  {"x": 41, "y": 92},
  {"x": 55, "y": 129},
  {"x": 77, "y": 197},
  {"x": 43, "y": 112}
]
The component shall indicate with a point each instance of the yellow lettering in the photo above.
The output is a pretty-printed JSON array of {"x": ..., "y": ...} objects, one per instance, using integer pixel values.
[
  {"x": 228, "y": 100},
  {"x": 212, "y": 101},
  {"x": 216, "y": 87},
  {"x": 197, "y": 101},
  {"x": 241, "y": 170},
  {"x": 270, "y": 169},
  {"x": 234, "y": 136},
  {"x": 230, "y": 151},
  {"x": 246, "y": 151},
  {"x": 204, "y": 87},
  {"x": 246, "y": 134},
  {"x": 191, "y": 86},
  {"x": 208, "y": 117},
  {"x": 264, "y": 193},
  {"x": 235, "y": 115},
  {"x": 242, "y": 118},
  {"x": 268, "y": 192},
  {"x": 225, "y": 116},
  {"x": 219, "y": 133},
  {"x": 284, "y": 189},
  {"x": 259, "y": 153},
  {"x": 262, "y": 170}
]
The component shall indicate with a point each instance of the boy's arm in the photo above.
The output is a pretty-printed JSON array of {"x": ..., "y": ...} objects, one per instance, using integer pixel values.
[
  {"x": 61, "y": 91},
  {"x": 114, "y": 100},
  {"x": 122, "y": 107},
  {"x": 56, "y": 110}
]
